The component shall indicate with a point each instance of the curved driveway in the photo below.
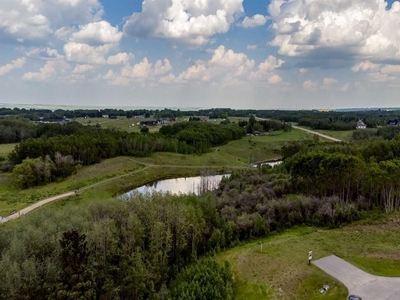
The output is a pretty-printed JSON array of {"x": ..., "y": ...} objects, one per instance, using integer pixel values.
[{"x": 358, "y": 282}]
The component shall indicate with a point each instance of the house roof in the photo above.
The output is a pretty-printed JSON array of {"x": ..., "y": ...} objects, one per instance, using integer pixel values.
[{"x": 394, "y": 122}]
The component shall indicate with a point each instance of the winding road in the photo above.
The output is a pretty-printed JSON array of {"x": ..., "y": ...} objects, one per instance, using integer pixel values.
[{"x": 358, "y": 282}]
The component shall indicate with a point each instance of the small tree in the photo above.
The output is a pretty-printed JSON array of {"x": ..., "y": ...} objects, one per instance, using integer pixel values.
[{"x": 144, "y": 130}]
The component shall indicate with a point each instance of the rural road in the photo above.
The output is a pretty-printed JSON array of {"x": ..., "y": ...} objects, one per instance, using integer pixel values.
[
  {"x": 358, "y": 282},
  {"x": 310, "y": 131},
  {"x": 317, "y": 133}
]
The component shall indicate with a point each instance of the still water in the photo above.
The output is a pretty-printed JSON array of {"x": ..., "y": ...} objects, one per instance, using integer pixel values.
[{"x": 187, "y": 185}]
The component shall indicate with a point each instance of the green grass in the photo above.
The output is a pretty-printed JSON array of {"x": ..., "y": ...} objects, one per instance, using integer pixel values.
[
  {"x": 260, "y": 148},
  {"x": 5, "y": 149},
  {"x": 121, "y": 123},
  {"x": 281, "y": 271}
]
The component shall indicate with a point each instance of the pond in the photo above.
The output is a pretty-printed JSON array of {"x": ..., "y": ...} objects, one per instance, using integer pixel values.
[{"x": 187, "y": 185}]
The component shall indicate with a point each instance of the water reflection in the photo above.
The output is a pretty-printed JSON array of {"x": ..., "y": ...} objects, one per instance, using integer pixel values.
[{"x": 187, "y": 185}]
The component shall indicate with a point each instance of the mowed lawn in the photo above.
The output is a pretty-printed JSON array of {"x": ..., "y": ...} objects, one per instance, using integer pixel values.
[{"x": 280, "y": 270}]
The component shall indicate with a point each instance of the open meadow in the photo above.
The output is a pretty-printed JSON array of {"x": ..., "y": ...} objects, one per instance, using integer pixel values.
[{"x": 281, "y": 270}]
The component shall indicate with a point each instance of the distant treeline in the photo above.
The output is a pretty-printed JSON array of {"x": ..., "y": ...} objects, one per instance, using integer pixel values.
[{"x": 371, "y": 118}]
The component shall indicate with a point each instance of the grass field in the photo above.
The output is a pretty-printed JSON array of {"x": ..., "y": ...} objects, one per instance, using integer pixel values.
[
  {"x": 5, "y": 149},
  {"x": 121, "y": 123},
  {"x": 281, "y": 271}
]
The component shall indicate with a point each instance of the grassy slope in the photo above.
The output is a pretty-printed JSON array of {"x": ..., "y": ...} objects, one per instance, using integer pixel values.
[{"x": 281, "y": 271}]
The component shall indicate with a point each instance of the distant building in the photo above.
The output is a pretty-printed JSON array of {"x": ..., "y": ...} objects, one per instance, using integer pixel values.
[
  {"x": 105, "y": 116},
  {"x": 393, "y": 122},
  {"x": 361, "y": 125}
]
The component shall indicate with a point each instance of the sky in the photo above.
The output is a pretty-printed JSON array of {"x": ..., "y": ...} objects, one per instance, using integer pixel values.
[{"x": 276, "y": 54}]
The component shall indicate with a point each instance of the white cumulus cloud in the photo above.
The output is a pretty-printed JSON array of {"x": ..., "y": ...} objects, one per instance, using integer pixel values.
[
  {"x": 97, "y": 33},
  {"x": 35, "y": 20},
  {"x": 49, "y": 70},
  {"x": 120, "y": 58},
  {"x": 83, "y": 53},
  {"x": 364, "y": 28},
  {"x": 15, "y": 64},
  {"x": 254, "y": 21},
  {"x": 192, "y": 22}
]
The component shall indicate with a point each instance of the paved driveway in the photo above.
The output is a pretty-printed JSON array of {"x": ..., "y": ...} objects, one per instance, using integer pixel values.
[{"x": 367, "y": 286}]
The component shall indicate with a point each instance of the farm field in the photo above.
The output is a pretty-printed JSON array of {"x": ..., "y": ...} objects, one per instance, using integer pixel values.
[{"x": 281, "y": 271}]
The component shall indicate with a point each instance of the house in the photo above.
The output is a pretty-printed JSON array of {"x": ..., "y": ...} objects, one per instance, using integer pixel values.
[
  {"x": 105, "y": 116},
  {"x": 393, "y": 122},
  {"x": 361, "y": 125}
]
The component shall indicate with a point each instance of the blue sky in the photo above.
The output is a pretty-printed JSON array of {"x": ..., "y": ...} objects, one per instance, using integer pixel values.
[{"x": 204, "y": 53}]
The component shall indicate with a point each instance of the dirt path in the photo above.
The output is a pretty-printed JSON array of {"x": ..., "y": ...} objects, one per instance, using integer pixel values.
[
  {"x": 358, "y": 282},
  {"x": 317, "y": 133},
  {"x": 32, "y": 207}
]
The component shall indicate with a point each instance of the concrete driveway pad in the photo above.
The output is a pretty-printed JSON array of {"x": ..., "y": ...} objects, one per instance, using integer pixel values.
[{"x": 358, "y": 282}]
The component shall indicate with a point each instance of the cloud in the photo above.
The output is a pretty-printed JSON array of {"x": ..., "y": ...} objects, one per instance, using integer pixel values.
[
  {"x": 269, "y": 65},
  {"x": 162, "y": 67},
  {"x": 303, "y": 70},
  {"x": 345, "y": 87},
  {"x": 32, "y": 21},
  {"x": 44, "y": 54},
  {"x": 97, "y": 33},
  {"x": 138, "y": 71},
  {"x": 83, "y": 53},
  {"x": 120, "y": 58},
  {"x": 50, "y": 69},
  {"x": 254, "y": 21},
  {"x": 309, "y": 85},
  {"x": 274, "y": 79},
  {"x": 356, "y": 28},
  {"x": 251, "y": 47},
  {"x": 225, "y": 65},
  {"x": 15, "y": 64},
  {"x": 378, "y": 72},
  {"x": 191, "y": 22},
  {"x": 329, "y": 81},
  {"x": 80, "y": 69}
]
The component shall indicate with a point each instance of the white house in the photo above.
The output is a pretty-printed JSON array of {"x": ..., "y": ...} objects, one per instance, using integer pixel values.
[{"x": 361, "y": 125}]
